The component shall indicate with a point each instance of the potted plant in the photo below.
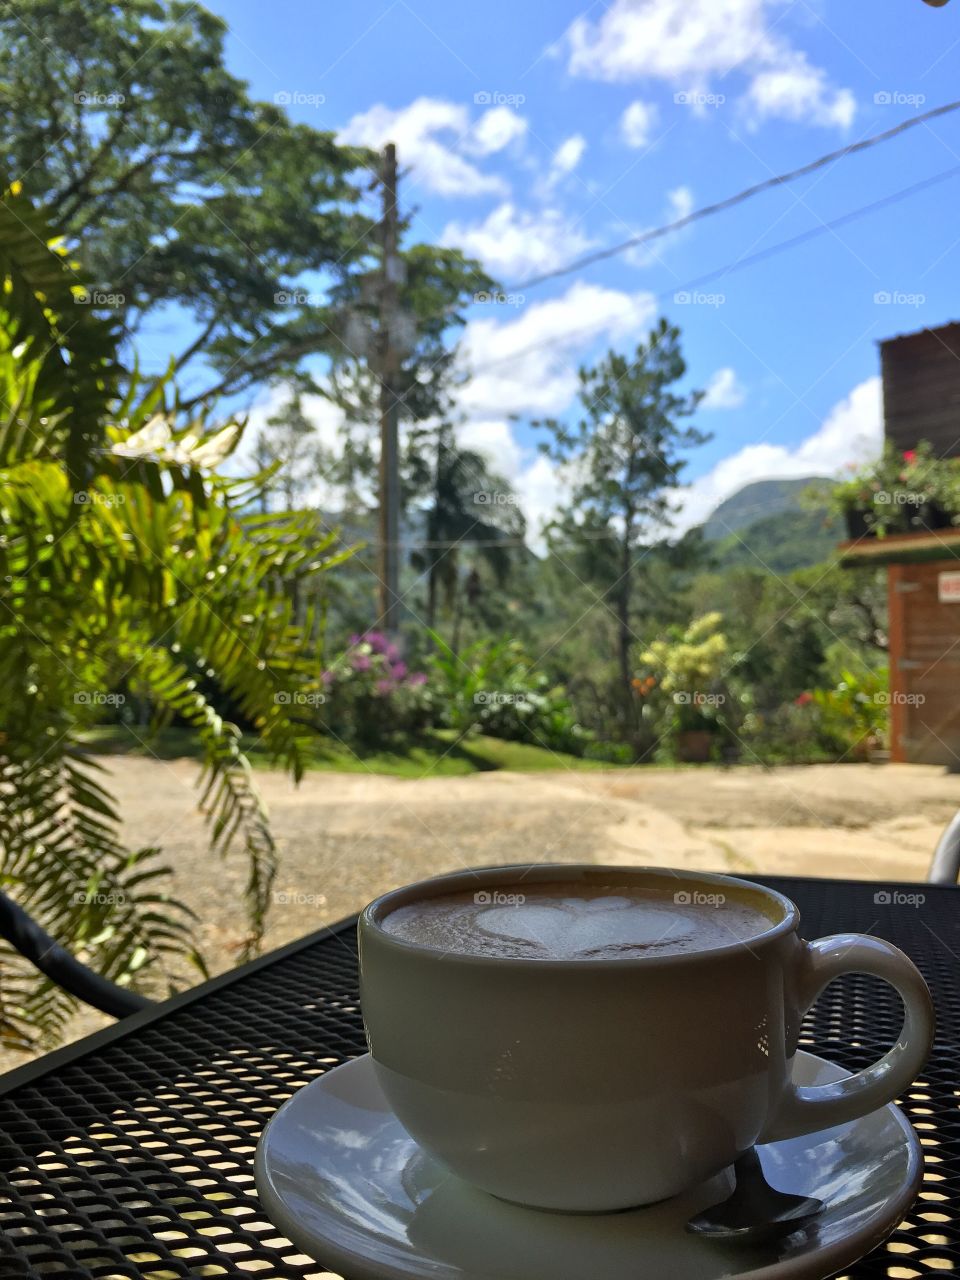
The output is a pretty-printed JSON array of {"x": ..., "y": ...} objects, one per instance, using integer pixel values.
[
  {"x": 906, "y": 492},
  {"x": 687, "y": 669}
]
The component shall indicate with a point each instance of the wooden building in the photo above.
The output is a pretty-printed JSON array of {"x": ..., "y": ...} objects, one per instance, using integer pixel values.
[
  {"x": 921, "y": 401},
  {"x": 921, "y": 389}
]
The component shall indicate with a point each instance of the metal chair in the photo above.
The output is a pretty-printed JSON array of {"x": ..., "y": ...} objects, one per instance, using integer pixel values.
[
  {"x": 945, "y": 867},
  {"x": 25, "y": 935}
]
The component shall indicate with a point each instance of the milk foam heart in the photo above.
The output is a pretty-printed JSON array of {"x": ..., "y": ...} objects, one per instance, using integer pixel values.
[
  {"x": 568, "y": 921},
  {"x": 573, "y": 927}
]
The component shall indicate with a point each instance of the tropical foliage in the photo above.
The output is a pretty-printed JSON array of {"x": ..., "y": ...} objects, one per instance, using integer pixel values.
[
  {"x": 129, "y": 566},
  {"x": 496, "y": 687}
]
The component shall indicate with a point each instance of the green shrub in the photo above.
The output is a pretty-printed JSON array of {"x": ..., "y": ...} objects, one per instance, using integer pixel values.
[
  {"x": 494, "y": 686},
  {"x": 369, "y": 698}
]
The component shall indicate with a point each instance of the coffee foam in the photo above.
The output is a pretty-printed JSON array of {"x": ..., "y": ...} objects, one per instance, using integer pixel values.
[{"x": 573, "y": 921}]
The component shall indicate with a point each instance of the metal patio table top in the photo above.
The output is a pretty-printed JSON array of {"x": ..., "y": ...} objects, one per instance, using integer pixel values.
[{"x": 130, "y": 1153}]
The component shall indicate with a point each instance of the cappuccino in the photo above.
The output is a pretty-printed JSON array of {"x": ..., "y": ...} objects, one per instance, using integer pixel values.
[{"x": 576, "y": 921}]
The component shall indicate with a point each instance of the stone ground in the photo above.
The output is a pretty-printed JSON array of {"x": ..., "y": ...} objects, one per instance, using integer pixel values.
[{"x": 344, "y": 838}]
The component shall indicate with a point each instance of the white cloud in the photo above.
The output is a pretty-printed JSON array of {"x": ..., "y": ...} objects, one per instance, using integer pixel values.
[
  {"x": 536, "y": 356},
  {"x": 496, "y": 129},
  {"x": 533, "y": 358},
  {"x": 326, "y": 417},
  {"x": 431, "y": 136},
  {"x": 568, "y": 155},
  {"x": 535, "y": 480},
  {"x": 851, "y": 433},
  {"x": 542, "y": 492},
  {"x": 698, "y": 43},
  {"x": 799, "y": 92},
  {"x": 323, "y": 413},
  {"x": 513, "y": 244},
  {"x": 496, "y": 441},
  {"x": 724, "y": 391},
  {"x": 543, "y": 381},
  {"x": 638, "y": 123}
]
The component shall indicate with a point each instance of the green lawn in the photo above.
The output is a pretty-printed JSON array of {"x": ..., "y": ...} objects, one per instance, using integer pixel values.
[{"x": 441, "y": 754}]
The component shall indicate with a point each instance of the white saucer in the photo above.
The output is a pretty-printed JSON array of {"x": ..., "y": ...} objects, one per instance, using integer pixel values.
[{"x": 340, "y": 1176}]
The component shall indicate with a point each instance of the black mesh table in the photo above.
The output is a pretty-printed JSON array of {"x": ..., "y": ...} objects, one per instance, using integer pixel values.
[{"x": 130, "y": 1154}]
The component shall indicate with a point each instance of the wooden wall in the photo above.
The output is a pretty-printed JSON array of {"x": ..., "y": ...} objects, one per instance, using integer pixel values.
[
  {"x": 924, "y": 666},
  {"x": 921, "y": 389}
]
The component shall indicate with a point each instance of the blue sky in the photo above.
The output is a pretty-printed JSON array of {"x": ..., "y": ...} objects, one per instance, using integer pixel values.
[{"x": 533, "y": 133}]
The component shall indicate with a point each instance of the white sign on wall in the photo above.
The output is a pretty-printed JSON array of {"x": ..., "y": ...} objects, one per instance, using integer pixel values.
[{"x": 948, "y": 587}]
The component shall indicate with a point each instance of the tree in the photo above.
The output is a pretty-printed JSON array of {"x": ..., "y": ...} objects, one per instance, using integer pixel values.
[
  {"x": 622, "y": 458},
  {"x": 288, "y": 446},
  {"x": 127, "y": 561},
  {"x": 129, "y": 132},
  {"x": 466, "y": 503}
]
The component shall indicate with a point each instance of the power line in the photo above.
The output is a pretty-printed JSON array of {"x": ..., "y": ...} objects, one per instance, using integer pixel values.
[
  {"x": 739, "y": 263},
  {"x": 718, "y": 206},
  {"x": 819, "y": 230}
]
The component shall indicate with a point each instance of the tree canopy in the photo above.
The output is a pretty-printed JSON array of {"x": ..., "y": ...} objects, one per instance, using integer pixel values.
[{"x": 129, "y": 133}]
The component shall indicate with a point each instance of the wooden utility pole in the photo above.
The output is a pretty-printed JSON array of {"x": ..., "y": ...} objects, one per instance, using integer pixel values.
[{"x": 389, "y": 367}]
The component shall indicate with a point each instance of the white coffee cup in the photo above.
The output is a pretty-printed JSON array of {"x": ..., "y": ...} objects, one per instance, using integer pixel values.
[{"x": 592, "y": 1085}]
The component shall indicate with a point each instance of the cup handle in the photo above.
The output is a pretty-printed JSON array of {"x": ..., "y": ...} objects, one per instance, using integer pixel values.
[{"x": 804, "y": 1109}]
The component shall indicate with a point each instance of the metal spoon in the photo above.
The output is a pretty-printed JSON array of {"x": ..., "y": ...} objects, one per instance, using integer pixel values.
[{"x": 754, "y": 1211}]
